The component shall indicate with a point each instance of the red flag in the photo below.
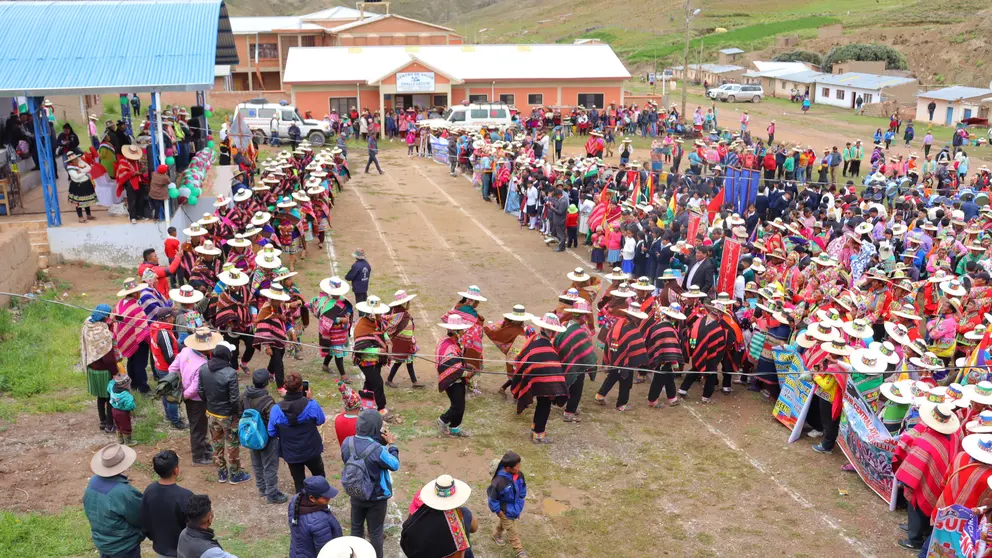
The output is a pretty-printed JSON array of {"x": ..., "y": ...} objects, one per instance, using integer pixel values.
[
  {"x": 693, "y": 229},
  {"x": 728, "y": 267},
  {"x": 714, "y": 207}
]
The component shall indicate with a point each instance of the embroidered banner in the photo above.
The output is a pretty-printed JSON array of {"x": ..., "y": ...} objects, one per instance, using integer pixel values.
[
  {"x": 956, "y": 532},
  {"x": 866, "y": 443},
  {"x": 728, "y": 267},
  {"x": 693, "y": 229},
  {"x": 794, "y": 398}
]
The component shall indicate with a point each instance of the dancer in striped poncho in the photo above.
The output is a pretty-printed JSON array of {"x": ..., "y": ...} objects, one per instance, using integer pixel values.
[
  {"x": 452, "y": 375},
  {"x": 538, "y": 375},
  {"x": 665, "y": 351},
  {"x": 577, "y": 354},
  {"x": 624, "y": 350},
  {"x": 131, "y": 333}
]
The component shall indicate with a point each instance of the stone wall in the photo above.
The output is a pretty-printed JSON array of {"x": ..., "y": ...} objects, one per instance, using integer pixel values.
[{"x": 19, "y": 265}]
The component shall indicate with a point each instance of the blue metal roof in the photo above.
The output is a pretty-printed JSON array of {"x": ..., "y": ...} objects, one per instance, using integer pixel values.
[
  {"x": 95, "y": 46},
  {"x": 956, "y": 93}
]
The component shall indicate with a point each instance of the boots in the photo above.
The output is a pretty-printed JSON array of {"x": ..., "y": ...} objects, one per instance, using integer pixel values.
[{"x": 125, "y": 440}]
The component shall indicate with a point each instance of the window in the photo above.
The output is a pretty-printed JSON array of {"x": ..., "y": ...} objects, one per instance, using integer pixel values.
[
  {"x": 478, "y": 98},
  {"x": 840, "y": 94},
  {"x": 479, "y": 113},
  {"x": 266, "y": 51},
  {"x": 288, "y": 115},
  {"x": 309, "y": 41},
  {"x": 440, "y": 100},
  {"x": 535, "y": 99},
  {"x": 457, "y": 116},
  {"x": 591, "y": 100},
  {"x": 867, "y": 98},
  {"x": 825, "y": 92},
  {"x": 782, "y": 83},
  {"x": 265, "y": 113},
  {"x": 343, "y": 104},
  {"x": 506, "y": 98}
]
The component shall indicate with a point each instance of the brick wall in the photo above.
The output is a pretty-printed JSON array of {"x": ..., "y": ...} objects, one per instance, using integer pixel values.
[{"x": 19, "y": 265}]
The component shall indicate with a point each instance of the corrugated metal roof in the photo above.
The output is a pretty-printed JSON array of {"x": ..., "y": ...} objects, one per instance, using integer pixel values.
[
  {"x": 955, "y": 93},
  {"x": 859, "y": 80},
  {"x": 252, "y": 25},
  {"x": 764, "y": 67},
  {"x": 731, "y": 51},
  {"x": 712, "y": 68},
  {"x": 93, "y": 46},
  {"x": 461, "y": 62},
  {"x": 336, "y": 12}
]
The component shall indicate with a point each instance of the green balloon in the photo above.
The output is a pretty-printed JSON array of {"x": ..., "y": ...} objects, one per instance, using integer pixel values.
[
  {"x": 192, "y": 200},
  {"x": 170, "y": 161},
  {"x": 174, "y": 193},
  {"x": 196, "y": 192},
  {"x": 210, "y": 144},
  {"x": 208, "y": 113}
]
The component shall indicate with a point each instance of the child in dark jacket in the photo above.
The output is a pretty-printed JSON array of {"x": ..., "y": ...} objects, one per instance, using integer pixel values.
[
  {"x": 506, "y": 499},
  {"x": 121, "y": 404},
  {"x": 311, "y": 522},
  {"x": 264, "y": 462}
]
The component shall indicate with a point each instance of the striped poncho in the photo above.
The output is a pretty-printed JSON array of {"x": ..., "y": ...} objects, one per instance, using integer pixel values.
[
  {"x": 401, "y": 329},
  {"x": 370, "y": 342},
  {"x": 503, "y": 336},
  {"x": 925, "y": 466},
  {"x": 271, "y": 325},
  {"x": 233, "y": 310},
  {"x": 967, "y": 484},
  {"x": 206, "y": 271},
  {"x": 625, "y": 347},
  {"x": 538, "y": 373},
  {"x": 661, "y": 341},
  {"x": 334, "y": 317},
  {"x": 471, "y": 338},
  {"x": 450, "y": 364},
  {"x": 131, "y": 329},
  {"x": 152, "y": 302},
  {"x": 705, "y": 342},
  {"x": 575, "y": 351}
]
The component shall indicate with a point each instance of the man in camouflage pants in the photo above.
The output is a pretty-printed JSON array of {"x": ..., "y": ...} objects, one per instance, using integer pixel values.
[{"x": 218, "y": 387}]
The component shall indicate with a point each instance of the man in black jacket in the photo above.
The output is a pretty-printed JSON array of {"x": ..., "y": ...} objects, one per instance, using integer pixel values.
[
  {"x": 198, "y": 537},
  {"x": 701, "y": 271},
  {"x": 359, "y": 275},
  {"x": 218, "y": 388},
  {"x": 163, "y": 505},
  {"x": 453, "y": 153},
  {"x": 559, "y": 210},
  {"x": 264, "y": 462}
]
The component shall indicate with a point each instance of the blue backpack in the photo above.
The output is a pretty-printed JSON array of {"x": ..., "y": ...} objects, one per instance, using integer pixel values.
[{"x": 251, "y": 430}]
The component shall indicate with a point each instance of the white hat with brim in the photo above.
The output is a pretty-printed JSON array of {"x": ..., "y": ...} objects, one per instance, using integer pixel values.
[
  {"x": 643, "y": 284},
  {"x": 286, "y": 274},
  {"x": 830, "y": 318},
  {"x": 260, "y": 218},
  {"x": 185, "y": 295},
  {"x": 234, "y": 278},
  {"x": 616, "y": 275},
  {"x": 473, "y": 293},
  {"x": 693, "y": 292},
  {"x": 222, "y": 201},
  {"x": 898, "y": 333},
  {"x": 940, "y": 417},
  {"x": 544, "y": 322},
  {"x": 195, "y": 229},
  {"x": 976, "y": 334},
  {"x": 805, "y": 341},
  {"x": 401, "y": 297},
  {"x": 208, "y": 219},
  {"x": 203, "y": 339},
  {"x": 929, "y": 361},
  {"x": 239, "y": 241},
  {"x": 635, "y": 312},
  {"x": 445, "y": 493},
  {"x": 112, "y": 460},
  {"x": 623, "y": 291},
  {"x": 347, "y": 547},
  {"x": 243, "y": 194},
  {"x": 266, "y": 260},
  {"x": 940, "y": 276},
  {"x": 519, "y": 314},
  {"x": 886, "y": 351},
  {"x": 837, "y": 349},
  {"x": 898, "y": 392},
  {"x": 902, "y": 313},
  {"x": 275, "y": 292},
  {"x": 859, "y": 329},
  {"x": 454, "y": 322},
  {"x": 372, "y": 305},
  {"x": 980, "y": 393},
  {"x": 208, "y": 249},
  {"x": 671, "y": 313},
  {"x": 953, "y": 288},
  {"x": 131, "y": 286},
  {"x": 978, "y": 445},
  {"x": 334, "y": 286}
]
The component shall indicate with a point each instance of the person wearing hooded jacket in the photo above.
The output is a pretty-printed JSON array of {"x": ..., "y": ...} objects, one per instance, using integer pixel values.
[
  {"x": 218, "y": 387},
  {"x": 294, "y": 421},
  {"x": 311, "y": 523},
  {"x": 264, "y": 462},
  {"x": 379, "y": 464}
]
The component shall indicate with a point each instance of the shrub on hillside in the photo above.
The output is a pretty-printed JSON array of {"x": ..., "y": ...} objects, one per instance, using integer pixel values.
[
  {"x": 799, "y": 56},
  {"x": 894, "y": 60}
]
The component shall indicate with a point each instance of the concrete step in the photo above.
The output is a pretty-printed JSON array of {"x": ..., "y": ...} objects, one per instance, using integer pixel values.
[{"x": 42, "y": 249}]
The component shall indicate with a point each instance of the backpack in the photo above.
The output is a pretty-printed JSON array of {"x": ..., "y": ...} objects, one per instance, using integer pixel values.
[
  {"x": 252, "y": 433},
  {"x": 355, "y": 477}
]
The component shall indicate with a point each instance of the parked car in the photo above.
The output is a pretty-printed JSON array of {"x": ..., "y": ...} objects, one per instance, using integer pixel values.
[
  {"x": 474, "y": 115},
  {"x": 258, "y": 115},
  {"x": 713, "y": 93},
  {"x": 740, "y": 92}
]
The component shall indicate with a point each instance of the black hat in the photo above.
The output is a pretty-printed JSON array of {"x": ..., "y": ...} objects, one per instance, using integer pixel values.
[{"x": 260, "y": 377}]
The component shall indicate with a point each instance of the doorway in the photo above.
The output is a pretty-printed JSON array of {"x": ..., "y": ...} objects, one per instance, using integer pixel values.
[{"x": 949, "y": 121}]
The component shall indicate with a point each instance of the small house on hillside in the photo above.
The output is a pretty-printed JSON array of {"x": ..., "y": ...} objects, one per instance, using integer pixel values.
[
  {"x": 863, "y": 66},
  {"x": 770, "y": 76},
  {"x": 843, "y": 90},
  {"x": 729, "y": 56},
  {"x": 714, "y": 74},
  {"x": 954, "y": 104}
]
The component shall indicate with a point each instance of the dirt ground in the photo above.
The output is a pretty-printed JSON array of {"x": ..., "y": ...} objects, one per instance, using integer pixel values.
[{"x": 694, "y": 480}]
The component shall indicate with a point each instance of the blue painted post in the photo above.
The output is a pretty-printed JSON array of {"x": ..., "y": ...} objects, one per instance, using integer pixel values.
[
  {"x": 43, "y": 143},
  {"x": 126, "y": 113},
  {"x": 153, "y": 130}
]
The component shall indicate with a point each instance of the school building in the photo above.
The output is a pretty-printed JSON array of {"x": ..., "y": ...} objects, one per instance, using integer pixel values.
[{"x": 525, "y": 76}]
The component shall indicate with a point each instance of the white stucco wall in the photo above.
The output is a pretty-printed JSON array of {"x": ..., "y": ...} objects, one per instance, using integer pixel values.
[{"x": 116, "y": 244}]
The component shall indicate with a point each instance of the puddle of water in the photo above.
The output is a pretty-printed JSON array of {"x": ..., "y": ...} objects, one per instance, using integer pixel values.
[{"x": 553, "y": 507}]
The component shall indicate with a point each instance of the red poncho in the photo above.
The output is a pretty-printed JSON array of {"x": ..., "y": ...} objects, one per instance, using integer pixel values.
[{"x": 924, "y": 468}]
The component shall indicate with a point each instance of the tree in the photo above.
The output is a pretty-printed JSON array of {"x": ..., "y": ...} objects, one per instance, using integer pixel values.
[
  {"x": 799, "y": 56},
  {"x": 894, "y": 60}
]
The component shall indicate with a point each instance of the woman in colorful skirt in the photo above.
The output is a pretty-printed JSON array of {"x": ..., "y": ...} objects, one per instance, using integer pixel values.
[
  {"x": 99, "y": 356},
  {"x": 81, "y": 192},
  {"x": 298, "y": 319},
  {"x": 321, "y": 209},
  {"x": 334, "y": 314},
  {"x": 401, "y": 327}
]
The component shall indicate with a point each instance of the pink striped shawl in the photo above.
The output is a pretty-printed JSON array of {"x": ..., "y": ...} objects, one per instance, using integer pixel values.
[{"x": 132, "y": 329}]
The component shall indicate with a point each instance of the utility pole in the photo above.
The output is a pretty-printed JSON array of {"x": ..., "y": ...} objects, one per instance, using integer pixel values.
[{"x": 689, "y": 14}]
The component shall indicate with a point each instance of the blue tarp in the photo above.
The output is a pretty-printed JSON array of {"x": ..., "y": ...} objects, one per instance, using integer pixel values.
[{"x": 741, "y": 188}]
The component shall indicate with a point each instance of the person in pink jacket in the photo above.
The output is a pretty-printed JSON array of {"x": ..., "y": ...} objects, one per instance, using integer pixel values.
[
  {"x": 187, "y": 364},
  {"x": 614, "y": 240}
]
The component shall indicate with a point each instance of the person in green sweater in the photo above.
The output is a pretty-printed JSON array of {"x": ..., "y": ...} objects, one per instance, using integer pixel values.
[
  {"x": 846, "y": 155},
  {"x": 789, "y": 166},
  {"x": 112, "y": 505}
]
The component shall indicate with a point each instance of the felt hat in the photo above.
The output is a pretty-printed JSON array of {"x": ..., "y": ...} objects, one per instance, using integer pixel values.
[
  {"x": 445, "y": 493},
  {"x": 454, "y": 322},
  {"x": 578, "y": 275},
  {"x": 976, "y": 334},
  {"x": 203, "y": 339},
  {"x": 195, "y": 229},
  {"x": 372, "y": 305},
  {"x": 953, "y": 288},
  {"x": 668, "y": 275},
  {"x": 132, "y": 152},
  {"x": 283, "y": 273},
  {"x": 473, "y": 293},
  {"x": 693, "y": 292},
  {"x": 233, "y": 277},
  {"x": 208, "y": 219},
  {"x": 829, "y": 317},
  {"x": 580, "y": 307},
  {"x": 633, "y": 309},
  {"x": 643, "y": 284},
  {"x": 940, "y": 417},
  {"x": 334, "y": 286},
  {"x": 301, "y": 196},
  {"x": 929, "y": 361},
  {"x": 837, "y": 348},
  {"x": 823, "y": 332},
  {"x": 898, "y": 392},
  {"x": 674, "y": 311},
  {"x": 824, "y": 260},
  {"x": 266, "y": 258},
  {"x": 401, "y": 297},
  {"x": 859, "y": 329},
  {"x": 757, "y": 267},
  {"x": 549, "y": 321},
  {"x": 570, "y": 295},
  {"x": 208, "y": 249},
  {"x": 347, "y": 547},
  {"x": 186, "y": 294},
  {"x": 239, "y": 241},
  {"x": 957, "y": 395},
  {"x": 286, "y": 203},
  {"x": 616, "y": 275},
  {"x": 131, "y": 286},
  {"x": 276, "y": 292},
  {"x": 112, "y": 460},
  {"x": 979, "y": 444},
  {"x": 518, "y": 314},
  {"x": 260, "y": 218},
  {"x": 722, "y": 299}
]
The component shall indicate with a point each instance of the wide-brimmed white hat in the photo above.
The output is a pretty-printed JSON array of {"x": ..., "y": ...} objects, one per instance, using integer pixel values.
[
  {"x": 519, "y": 314},
  {"x": 816, "y": 334},
  {"x": 693, "y": 292},
  {"x": 401, "y": 297},
  {"x": 454, "y": 322},
  {"x": 953, "y": 288},
  {"x": 957, "y": 395},
  {"x": 979, "y": 444},
  {"x": 301, "y": 196},
  {"x": 276, "y": 292},
  {"x": 195, "y": 229},
  {"x": 222, "y": 201},
  {"x": 940, "y": 417},
  {"x": 580, "y": 306},
  {"x": 208, "y": 219},
  {"x": 548, "y": 321},
  {"x": 929, "y": 361},
  {"x": 286, "y": 203},
  {"x": 445, "y": 493},
  {"x": 239, "y": 241},
  {"x": 980, "y": 393},
  {"x": 372, "y": 305},
  {"x": 643, "y": 284},
  {"x": 334, "y": 286},
  {"x": 233, "y": 277},
  {"x": 939, "y": 276},
  {"x": 473, "y": 292},
  {"x": 260, "y": 218},
  {"x": 829, "y": 317},
  {"x": 863, "y": 228},
  {"x": 977, "y": 334},
  {"x": 186, "y": 295},
  {"x": 905, "y": 311},
  {"x": 570, "y": 295},
  {"x": 616, "y": 275},
  {"x": 243, "y": 194},
  {"x": 131, "y": 286},
  {"x": 837, "y": 348},
  {"x": 898, "y": 392},
  {"x": 207, "y": 249},
  {"x": 633, "y": 309},
  {"x": 859, "y": 329},
  {"x": 284, "y": 273},
  {"x": 112, "y": 460},
  {"x": 203, "y": 339},
  {"x": 825, "y": 260},
  {"x": 674, "y": 311},
  {"x": 347, "y": 547},
  {"x": 623, "y": 290},
  {"x": 267, "y": 258},
  {"x": 885, "y": 350},
  {"x": 898, "y": 333},
  {"x": 867, "y": 361}
]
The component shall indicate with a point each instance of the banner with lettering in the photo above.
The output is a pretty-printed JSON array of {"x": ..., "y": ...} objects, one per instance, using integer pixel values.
[
  {"x": 957, "y": 533},
  {"x": 693, "y": 229},
  {"x": 439, "y": 149},
  {"x": 728, "y": 267},
  {"x": 867, "y": 444},
  {"x": 795, "y": 395}
]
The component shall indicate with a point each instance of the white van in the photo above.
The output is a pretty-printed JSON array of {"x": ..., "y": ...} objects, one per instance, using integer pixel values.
[
  {"x": 740, "y": 92},
  {"x": 258, "y": 115},
  {"x": 474, "y": 115}
]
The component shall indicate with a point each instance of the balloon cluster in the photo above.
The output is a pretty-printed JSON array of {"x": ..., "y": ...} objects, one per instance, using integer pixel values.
[{"x": 190, "y": 181}]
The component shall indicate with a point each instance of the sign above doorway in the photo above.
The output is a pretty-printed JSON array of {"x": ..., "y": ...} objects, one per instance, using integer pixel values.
[{"x": 415, "y": 82}]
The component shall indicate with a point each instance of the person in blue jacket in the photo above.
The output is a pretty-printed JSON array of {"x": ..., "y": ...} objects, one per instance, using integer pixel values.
[
  {"x": 311, "y": 522},
  {"x": 359, "y": 275},
  {"x": 294, "y": 421},
  {"x": 506, "y": 496},
  {"x": 368, "y": 430}
]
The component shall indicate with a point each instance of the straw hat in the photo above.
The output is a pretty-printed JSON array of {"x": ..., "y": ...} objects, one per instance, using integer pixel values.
[
  {"x": 519, "y": 314},
  {"x": 454, "y": 322},
  {"x": 668, "y": 275},
  {"x": 643, "y": 284},
  {"x": 616, "y": 275},
  {"x": 473, "y": 293},
  {"x": 829, "y": 317},
  {"x": 207, "y": 249},
  {"x": 957, "y": 395},
  {"x": 284, "y": 273},
  {"x": 347, "y": 547},
  {"x": 722, "y": 299},
  {"x": 233, "y": 277},
  {"x": 939, "y": 277},
  {"x": 980, "y": 393},
  {"x": 906, "y": 311},
  {"x": 867, "y": 361},
  {"x": 334, "y": 286},
  {"x": 275, "y": 292},
  {"x": 132, "y": 152},
  {"x": 580, "y": 307},
  {"x": 112, "y": 460},
  {"x": 859, "y": 329},
  {"x": 837, "y": 348},
  {"x": 131, "y": 286},
  {"x": 186, "y": 295},
  {"x": 260, "y": 218},
  {"x": 824, "y": 260},
  {"x": 634, "y": 310},
  {"x": 401, "y": 297},
  {"x": 898, "y": 332},
  {"x": 886, "y": 350},
  {"x": 195, "y": 229},
  {"x": 445, "y": 493},
  {"x": 929, "y": 361},
  {"x": 267, "y": 258},
  {"x": 898, "y": 392},
  {"x": 940, "y": 417},
  {"x": 203, "y": 339},
  {"x": 549, "y": 321}
]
